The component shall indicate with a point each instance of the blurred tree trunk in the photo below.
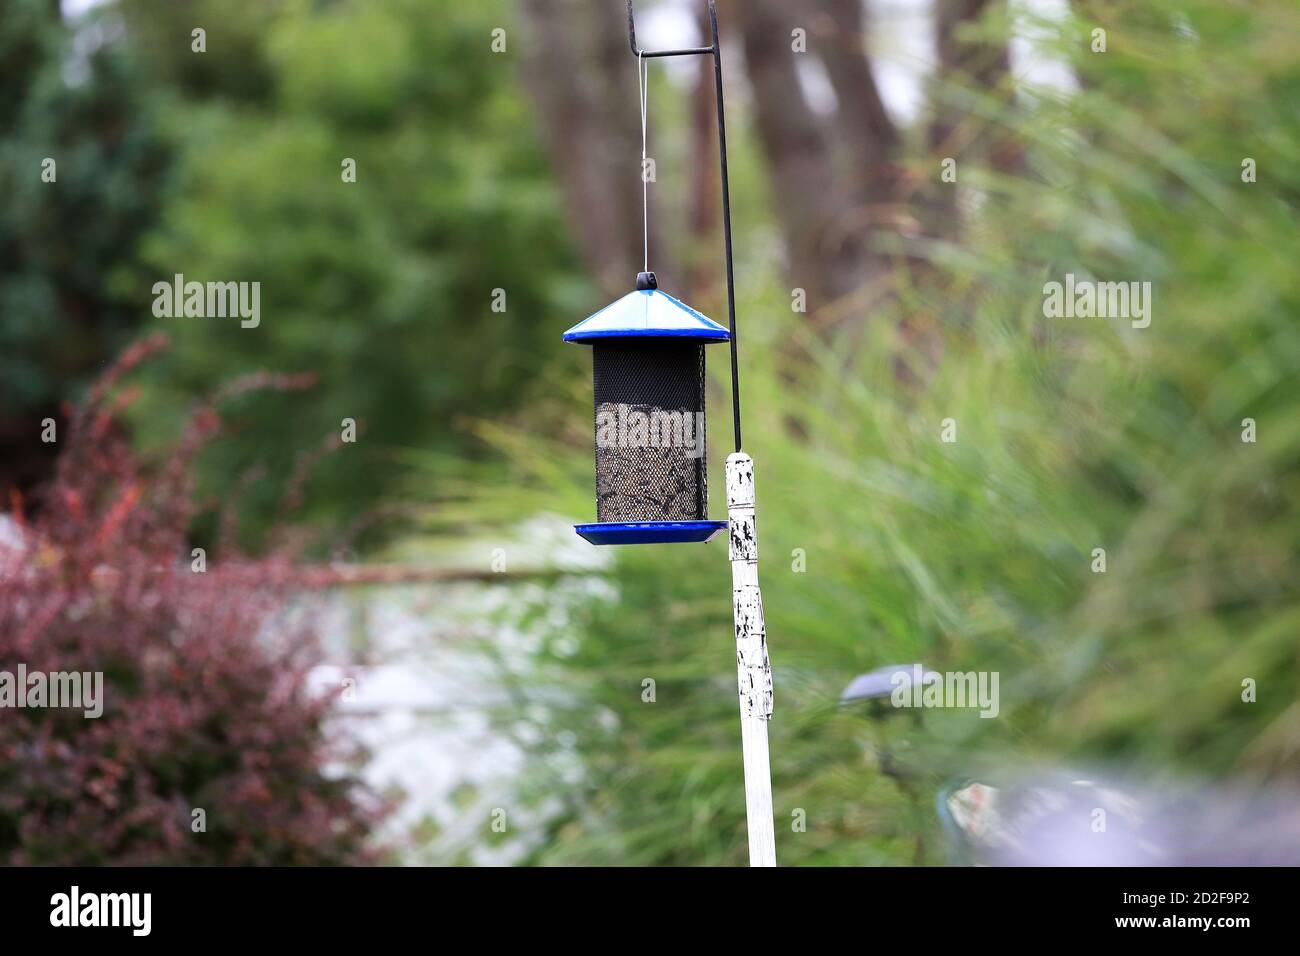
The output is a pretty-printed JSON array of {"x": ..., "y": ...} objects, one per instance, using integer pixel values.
[
  {"x": 815, "y": 209},
  {"x": 868, "y": 133},
  {"x": 879, "y": 187},
  {"x": 836, "y": 184},
  {"x": 972, "y": 54},
  {"x": 581, "y": 74}
]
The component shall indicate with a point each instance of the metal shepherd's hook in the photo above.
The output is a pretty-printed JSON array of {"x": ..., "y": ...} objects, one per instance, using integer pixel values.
[{"x": 753, "y": 671}]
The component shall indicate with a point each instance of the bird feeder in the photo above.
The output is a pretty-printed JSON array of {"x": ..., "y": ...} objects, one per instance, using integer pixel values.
[{"x": 647, "y": 359}]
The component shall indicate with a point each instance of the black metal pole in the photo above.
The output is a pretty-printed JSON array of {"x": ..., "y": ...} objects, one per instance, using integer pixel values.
[
  {"x": 716, "y": 52},
  {"x": 726, "y": 223}
]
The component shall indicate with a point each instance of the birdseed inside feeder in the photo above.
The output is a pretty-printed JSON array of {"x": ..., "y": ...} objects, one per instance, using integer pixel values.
[{"x": 647, "y": 353}]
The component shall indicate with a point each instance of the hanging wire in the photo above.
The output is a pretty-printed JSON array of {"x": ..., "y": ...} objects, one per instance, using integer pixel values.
[
  {"x": 643, "y": 88},
  {"x": 714, "y": 50}
]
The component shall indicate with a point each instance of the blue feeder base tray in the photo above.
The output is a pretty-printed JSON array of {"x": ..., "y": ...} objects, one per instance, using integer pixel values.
[{"x": 649, "y": 532}]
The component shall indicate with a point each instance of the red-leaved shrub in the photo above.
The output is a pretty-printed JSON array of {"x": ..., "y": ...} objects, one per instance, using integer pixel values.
[{"x": 205, "y": 702}]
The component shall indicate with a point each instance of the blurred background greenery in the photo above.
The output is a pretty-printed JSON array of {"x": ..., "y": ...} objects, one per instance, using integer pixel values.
[{"x": 508, "y": 161}]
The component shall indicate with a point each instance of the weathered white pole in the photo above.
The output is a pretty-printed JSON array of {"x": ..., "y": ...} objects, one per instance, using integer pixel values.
[{"x": 753, "y": 670}]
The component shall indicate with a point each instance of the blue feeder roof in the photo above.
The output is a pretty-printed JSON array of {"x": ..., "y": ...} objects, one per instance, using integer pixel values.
[{"x": 647, "y": 313}]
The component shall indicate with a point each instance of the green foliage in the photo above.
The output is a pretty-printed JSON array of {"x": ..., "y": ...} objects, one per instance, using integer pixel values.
[
  {"x": 382, "y": 287},
  {"x": 1072, "y": 434},
  {"x": 234, "y": 67},
  {"x": 69, "y": 273}
]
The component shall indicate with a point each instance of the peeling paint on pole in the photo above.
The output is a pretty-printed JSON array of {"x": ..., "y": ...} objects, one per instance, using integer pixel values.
[{"x": 753, "y": 670}]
